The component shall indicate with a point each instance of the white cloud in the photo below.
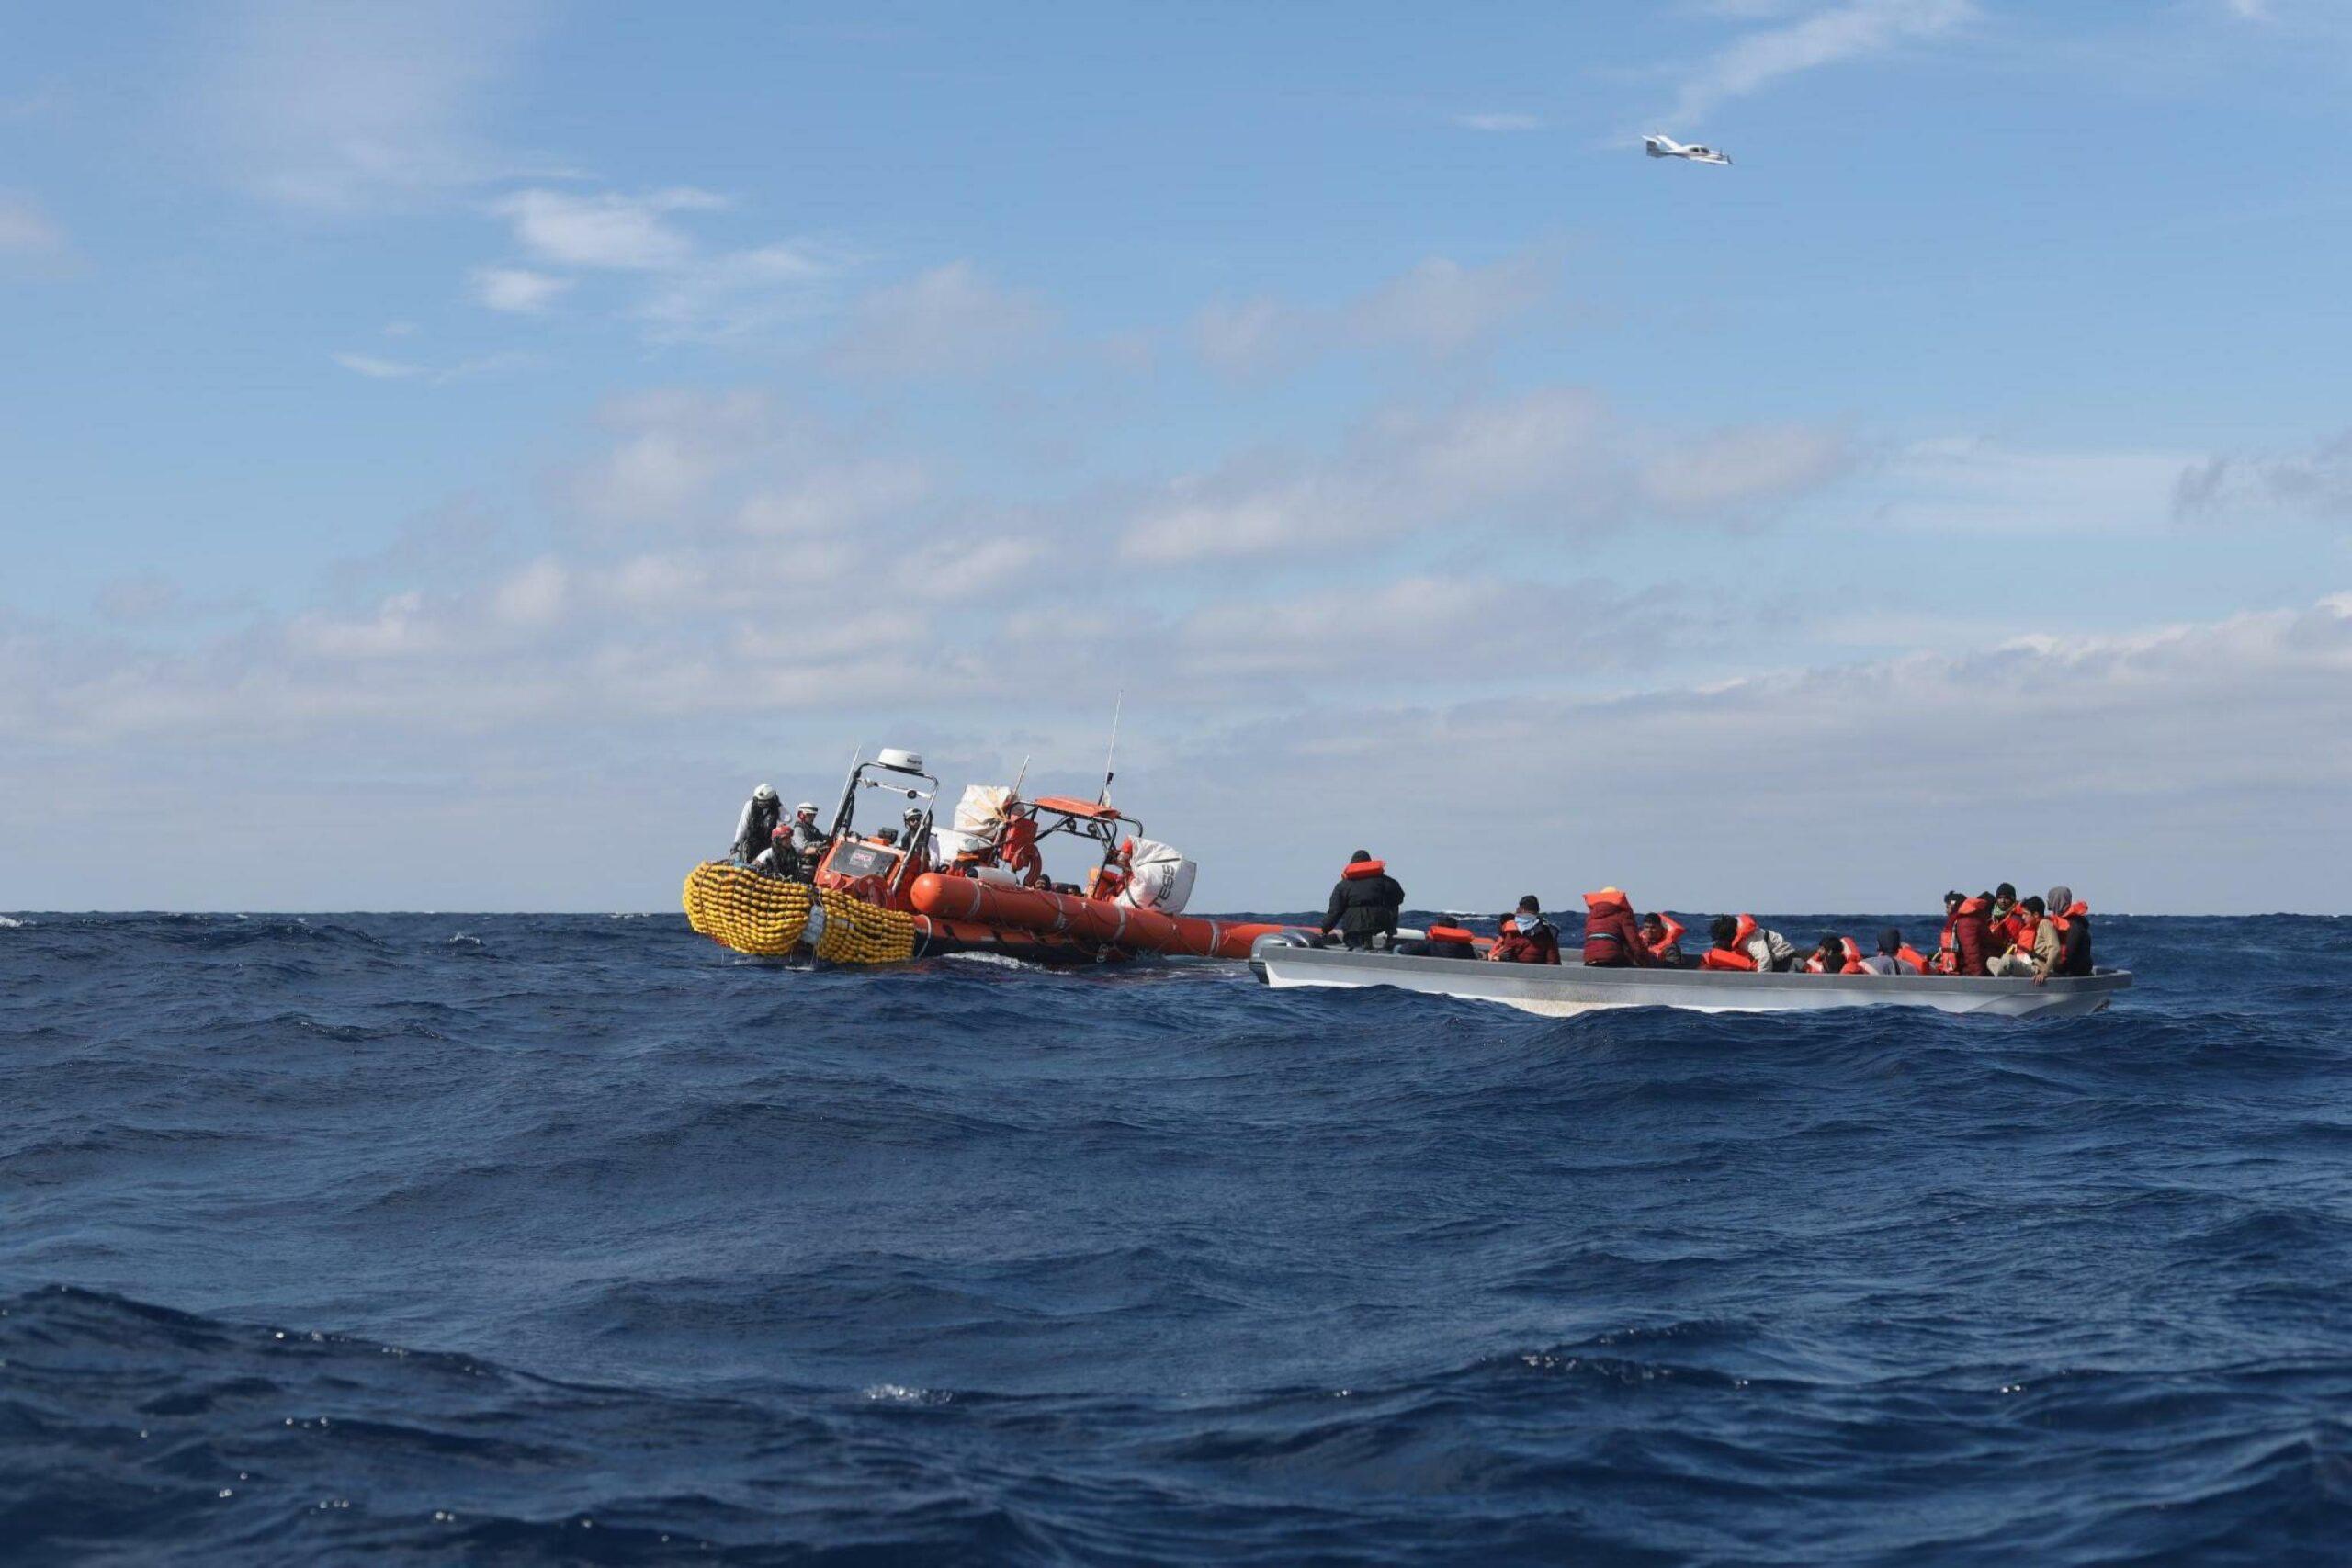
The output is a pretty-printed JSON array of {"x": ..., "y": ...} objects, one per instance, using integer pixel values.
[
  {"x": 946, "y": 321},
  {"x": 1443, "y": 307},
  {"x": 695, "y": 294},
  {"x": 378, "y": 369},
  {"x": 1746, "y": 466},
  {"x": 1439, "y": 308},
  {"x": 353, "y": 107},
  {"x": 1555, "y": 460},
  {"x": 517, "y": 289},
  {"x": 738, "y": 293},
  {"x": 26, "y": 232},
  {"x": 2147, "y": 765},
  {"x": 1833, "y": 34},
  {"x": 2317, "y": 483},
  {"x": 1244, "y": 335},
  {"x": 605, "y": 229},
  {"x": 1966, "y": 487},
  {"x": 1498, "y": 121}
]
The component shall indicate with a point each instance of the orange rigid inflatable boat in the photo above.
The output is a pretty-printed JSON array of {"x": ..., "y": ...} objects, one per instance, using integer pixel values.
[
  {"x": 961, "y": 904},
  {"x": 916, "y": 889}
]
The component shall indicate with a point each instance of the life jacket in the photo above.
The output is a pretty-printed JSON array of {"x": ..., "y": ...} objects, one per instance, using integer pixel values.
[
  {"x": 1948, "y": 947},
  {"x": 2074, "y": 944},
  {"x": 1737, "y": 955},
  {"x": 1850, "y": 965},
  {"x": 1674, "y": 928},
  {"x": 1019, "y": 854},
  {"x": 1451, "y": 933},
  {"x": 1358, "y": 870},
  {"x": 1908, "y": 955}
]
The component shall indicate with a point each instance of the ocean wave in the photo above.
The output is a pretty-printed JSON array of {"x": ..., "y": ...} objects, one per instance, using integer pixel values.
[{"x": 611, "y": 1248}]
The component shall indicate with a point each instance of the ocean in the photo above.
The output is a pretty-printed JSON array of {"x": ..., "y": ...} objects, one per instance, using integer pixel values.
[{"x": 520, "y": 1239}]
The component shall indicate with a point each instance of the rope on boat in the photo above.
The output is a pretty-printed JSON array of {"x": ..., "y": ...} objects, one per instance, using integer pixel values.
[{"x": 769, "y": 918}]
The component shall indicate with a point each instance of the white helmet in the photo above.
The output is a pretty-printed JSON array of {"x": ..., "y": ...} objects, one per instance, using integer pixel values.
[
  {"x": 804, "y": 806},
  {"x": 765, "y": 791}
]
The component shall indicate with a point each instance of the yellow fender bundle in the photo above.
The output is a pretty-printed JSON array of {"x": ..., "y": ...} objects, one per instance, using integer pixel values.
[{"x": 769, "y": 918}]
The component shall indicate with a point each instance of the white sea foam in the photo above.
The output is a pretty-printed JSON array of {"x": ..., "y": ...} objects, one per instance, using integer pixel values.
[
  {"x": 12, "y": 925},
  {"x": 999, "y": 960},
  {"x": 898, "y": 1394}
]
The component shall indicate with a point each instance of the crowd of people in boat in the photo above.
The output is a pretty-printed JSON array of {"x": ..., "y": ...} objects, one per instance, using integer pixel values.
[{"x": 1995, "y": 933}]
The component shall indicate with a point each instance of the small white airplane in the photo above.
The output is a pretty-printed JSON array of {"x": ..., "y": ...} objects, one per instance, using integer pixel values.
[{"x": 1668, "y": 147}]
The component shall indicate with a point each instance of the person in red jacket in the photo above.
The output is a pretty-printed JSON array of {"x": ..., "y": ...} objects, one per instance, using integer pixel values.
[
  {"x": 1612, "y": 939},
  {"x": 1972, "y": 935},
  {"x": 1526, "y": 937}
]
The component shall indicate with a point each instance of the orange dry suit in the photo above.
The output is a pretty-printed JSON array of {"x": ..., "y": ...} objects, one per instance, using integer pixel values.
[{"x": 1019, "y": 854}]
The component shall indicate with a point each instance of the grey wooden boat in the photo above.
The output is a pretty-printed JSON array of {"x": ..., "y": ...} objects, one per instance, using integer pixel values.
[{"x": 1285, "y": 959}]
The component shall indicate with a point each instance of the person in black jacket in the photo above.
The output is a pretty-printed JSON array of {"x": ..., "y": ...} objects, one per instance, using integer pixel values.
[{"x": 1364, "y": 903}]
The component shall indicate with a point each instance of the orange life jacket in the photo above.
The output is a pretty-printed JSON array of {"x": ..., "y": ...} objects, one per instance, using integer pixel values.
[
  {"x": 1737, "y": 955},
  {"x": 1852, "y": 964},
  {"x": 1358, "y": 870},
  {"x": 1907, "y": 954},
  {"x": 1674, "y": 928},
  {"x": 1451, "y": 933}
]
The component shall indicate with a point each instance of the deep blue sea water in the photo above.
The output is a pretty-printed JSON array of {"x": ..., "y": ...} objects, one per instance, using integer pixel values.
[{"x": 539, "y": 1240}]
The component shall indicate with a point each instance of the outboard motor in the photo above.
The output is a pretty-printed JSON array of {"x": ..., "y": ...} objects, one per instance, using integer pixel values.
[{"x": 1275, "y": 941}]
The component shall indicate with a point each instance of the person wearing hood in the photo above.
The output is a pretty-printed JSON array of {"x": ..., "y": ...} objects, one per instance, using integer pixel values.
[
  {"x": 2069, "y": 920},
  {"x": 763, "y": 814},
  {"x": 1971, "y": 936},
  {"x": 1741, "y": 944},
  {"x": 1894, "y": 956},
  {"x": 1612, "y": 937},
  {"x": 1525, "y": 936},
  {"x": 1946, "y": 945},
  {"x": 1365, "y": 902}
]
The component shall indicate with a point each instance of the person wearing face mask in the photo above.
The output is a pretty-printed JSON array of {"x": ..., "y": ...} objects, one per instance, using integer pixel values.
[{"x": 1526, "y": 936}]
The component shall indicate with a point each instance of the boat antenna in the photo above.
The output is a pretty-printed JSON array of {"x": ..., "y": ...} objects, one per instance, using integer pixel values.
[
  {"x": 1110, "y": 750},
  {"x": 1018, "y": 777}
]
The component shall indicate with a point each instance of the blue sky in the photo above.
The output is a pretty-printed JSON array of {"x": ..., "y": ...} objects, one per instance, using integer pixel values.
[{"x": 434, "y": 436}]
